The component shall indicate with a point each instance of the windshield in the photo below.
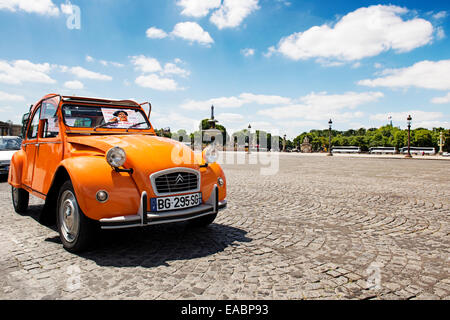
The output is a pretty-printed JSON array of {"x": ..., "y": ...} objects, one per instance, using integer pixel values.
[
  {"x": 10, "y": 143},
  {"x": 105, "y": 117}
]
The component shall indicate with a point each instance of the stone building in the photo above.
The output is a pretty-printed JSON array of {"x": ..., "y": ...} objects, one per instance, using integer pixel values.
[{"x": 10, "y": 129}]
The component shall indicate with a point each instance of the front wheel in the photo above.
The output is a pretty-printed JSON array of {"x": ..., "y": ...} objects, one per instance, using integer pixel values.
[
  {"x": 203, "y": 221},
  {"x": 20, "y": 199},
  {"x": 75, "y": 229}
]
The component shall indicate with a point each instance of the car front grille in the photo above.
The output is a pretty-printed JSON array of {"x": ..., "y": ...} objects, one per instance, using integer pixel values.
[{"x": 176, "y": 182}]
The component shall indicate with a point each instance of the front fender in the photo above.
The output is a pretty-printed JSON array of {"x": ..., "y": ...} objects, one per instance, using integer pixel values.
[
  {"x": 15, "y": 169},
  {"x": 89, "y": 174},
  {"x": 210, "y": 175}
]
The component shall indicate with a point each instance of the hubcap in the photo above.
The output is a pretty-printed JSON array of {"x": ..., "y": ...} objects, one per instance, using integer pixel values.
[{"x": 69, "y": 216}]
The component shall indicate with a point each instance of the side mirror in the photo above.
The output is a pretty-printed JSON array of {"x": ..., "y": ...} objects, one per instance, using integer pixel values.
[{"x": 43, "y": 123}]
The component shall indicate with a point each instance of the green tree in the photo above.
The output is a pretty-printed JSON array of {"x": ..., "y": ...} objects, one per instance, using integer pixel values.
[{"x": 423, "y": 138}]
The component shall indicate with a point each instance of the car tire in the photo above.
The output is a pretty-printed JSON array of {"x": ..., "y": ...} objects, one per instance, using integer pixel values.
[
  {"x": 20, "y": 199},
  {"x": 75, "y": 229},
  {"x": 203, "y": 221}
]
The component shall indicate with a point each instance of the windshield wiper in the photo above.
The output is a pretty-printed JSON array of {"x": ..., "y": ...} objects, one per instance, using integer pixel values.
[
  {"x": 135, "y": 125},
  {"x": 104, "y": 125}
]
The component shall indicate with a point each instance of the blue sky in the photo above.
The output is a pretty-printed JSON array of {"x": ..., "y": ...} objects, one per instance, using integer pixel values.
[{"x": 285, "y": 66}]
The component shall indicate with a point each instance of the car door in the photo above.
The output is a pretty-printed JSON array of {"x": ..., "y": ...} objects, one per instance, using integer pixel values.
[
  {"x": 49, "y": 150},
  {"x": 30, "y": 147}
]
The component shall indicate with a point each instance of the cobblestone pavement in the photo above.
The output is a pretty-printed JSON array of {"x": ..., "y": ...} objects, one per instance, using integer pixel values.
[{"x": 323, "y": 228}]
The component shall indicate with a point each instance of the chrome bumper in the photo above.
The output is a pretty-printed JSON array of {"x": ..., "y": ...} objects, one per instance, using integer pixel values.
[{"x": 145, "y": 218}]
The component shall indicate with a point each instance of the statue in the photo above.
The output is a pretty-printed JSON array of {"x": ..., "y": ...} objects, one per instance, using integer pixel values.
[{"x": 306, "y": 147}]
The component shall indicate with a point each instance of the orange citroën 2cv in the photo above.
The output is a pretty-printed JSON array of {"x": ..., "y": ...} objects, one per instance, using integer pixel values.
[{"x": 99, "y": 164}]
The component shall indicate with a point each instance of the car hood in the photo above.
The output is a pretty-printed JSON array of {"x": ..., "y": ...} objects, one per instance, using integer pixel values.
[
  {"x": 145, "y": 153},
  {"x": 6, "y": 154}
]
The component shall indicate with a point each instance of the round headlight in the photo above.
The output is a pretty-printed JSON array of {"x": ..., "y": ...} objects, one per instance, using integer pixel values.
[
  {"x": 102, "y": 196},
  {"x": 116, "y": 157},
  {"x": 211, "y": 153}
]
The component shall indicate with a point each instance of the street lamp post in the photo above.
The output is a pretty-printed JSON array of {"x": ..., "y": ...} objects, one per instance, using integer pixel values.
[
  {"x": 441, "y": 143},
  {"x": 409, "y": 119},
  {"x": 249, "y": 136},
  {"x": 284, "y": 143},
  {"x": 330, "y": 123}
]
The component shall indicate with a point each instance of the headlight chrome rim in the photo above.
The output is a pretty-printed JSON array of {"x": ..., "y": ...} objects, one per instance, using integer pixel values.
[
  {"x": 102, "y": 196},
  {"x": 116, "y": 157}
]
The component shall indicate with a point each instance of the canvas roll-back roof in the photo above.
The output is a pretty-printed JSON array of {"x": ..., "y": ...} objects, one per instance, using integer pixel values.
[
  {"x": 125, "y": 103},
  {"x": 86, "y": 100}
]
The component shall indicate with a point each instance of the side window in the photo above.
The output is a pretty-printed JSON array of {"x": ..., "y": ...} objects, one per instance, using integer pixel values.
[
  {"x": 25, "y": 119},
  {"x": 49, "y": 108},
  {"x": 33, "y": 129}
]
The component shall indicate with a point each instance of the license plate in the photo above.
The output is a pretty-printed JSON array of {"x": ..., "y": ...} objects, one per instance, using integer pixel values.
[{"x": 175, "y": 202}]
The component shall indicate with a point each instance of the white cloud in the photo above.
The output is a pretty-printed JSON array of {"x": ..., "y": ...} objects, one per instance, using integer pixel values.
[
  {"x": 440, "y": 15},
  {"x": 83, "y": 73},
  {"x": 155, "y": 82},
  {"x": 424, "y": 74},
  {"x": 174, "y": 120},
  {"x": 317, "y": 107},
  {"x": 74, "y": 85},
  {"x": 116, "y": 64},
  {"x": 198, "y": 8},
  {"x": 286, "y": 3},
  {"x": 442, "y": 100},
  {"x": 223, "y": 102},
  {"x": 19, "y": 71},
  {"x": 303, "y": 124},
  {"x": 270, "y": 52},
  {"x": 329, "y": 63},
  {"x": 264, "y": 99},
  {"x": 44, "y": 7},
  {"x": 193, "y": 32},
  {"x": 429, "y": 124},
  {"x": 155, "y": 33},
  {"x": 149, "y": 67},
  {"x": 232, "y": 12},
  {"x": 440, "y": 33},
  {"x": 10, "y": 97},
  {"x": 105, "y": 63},
  {"x": 7, "y": 109},
  {"x": 190, "y": 31},
  {"x": 420, "y": 118},
  {"x": 230, "y": 117},
  {"x": 66, "y": 8},
  {"x": 363, "y": 33},
  {"x": 248, "y": 52},
  {"x": 234, "y": 102},
  {"x": 111, "y": 63},
  {"x": 172, "y": 68},
  {"x": 146, "y": 64}
]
